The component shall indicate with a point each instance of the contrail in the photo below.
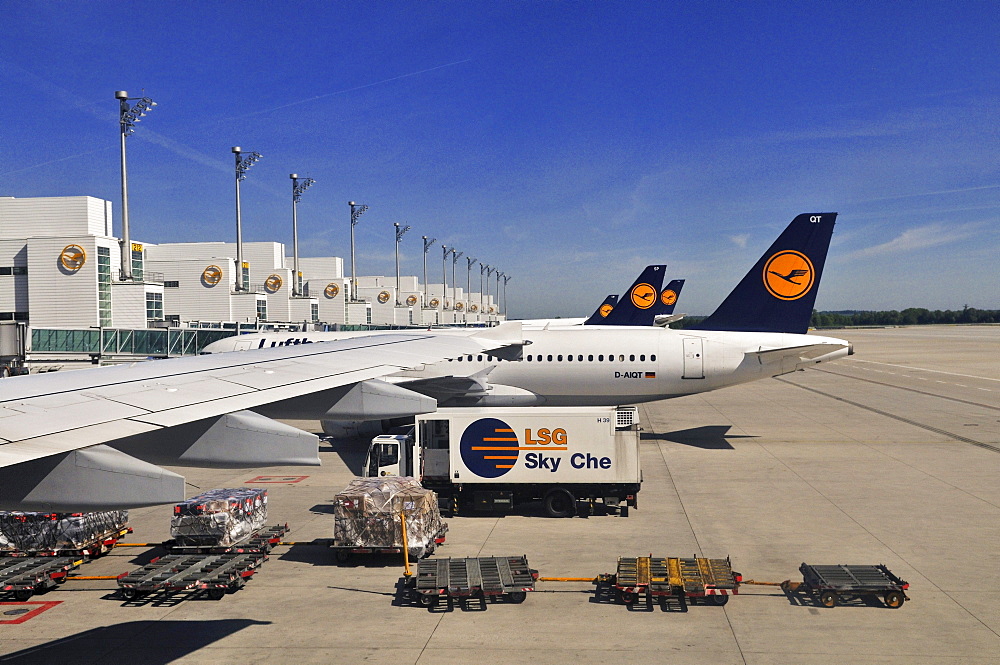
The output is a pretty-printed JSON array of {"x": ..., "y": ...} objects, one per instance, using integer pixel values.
[
  {"x": 347, "y": 90},
  {"x": 55, "y": 161}
]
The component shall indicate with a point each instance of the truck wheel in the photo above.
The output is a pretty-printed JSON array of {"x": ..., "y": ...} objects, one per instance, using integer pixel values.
[
  {"x": 894, "y": 599},
  {"x": 627, "y": 597},
  {"x": 517, "y": 597},
  {"x": 560, "y": 502},
  {"x": 719, "y": 600},
  {"x": 828, "y": 599},
  {"x": 427, "y": 600}
]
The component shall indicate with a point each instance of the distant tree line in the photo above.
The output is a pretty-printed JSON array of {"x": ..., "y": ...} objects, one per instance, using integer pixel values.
[{"x": 912, "y": 316}]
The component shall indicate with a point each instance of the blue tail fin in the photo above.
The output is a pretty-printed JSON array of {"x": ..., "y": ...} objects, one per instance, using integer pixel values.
[
  {"x": 636, "y": 307},
  {"x": 602, "y": 311},
  {"x": 667, "y": 300},
  {"x": 779, "y": 292}
]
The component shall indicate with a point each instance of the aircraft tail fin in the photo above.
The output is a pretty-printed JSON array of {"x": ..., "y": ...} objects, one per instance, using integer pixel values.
[
  {"x": 636, "y": 307},
  {"x": 602, "y": 310},
  {"x": 779, "y": 292},
  {"x": 668, "y": 298}
]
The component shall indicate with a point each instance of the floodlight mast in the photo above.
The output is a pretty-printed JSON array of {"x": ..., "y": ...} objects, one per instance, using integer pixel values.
[
  {"x": 297, "y": 189},
  {"x": 483, "y": 268},
  {"x": 468, "y": 280},
  {"x": 356, "y": 211},
  {"x": 400, "y": 232},
  {"x": 427, "y": 245},
  {"x": 506, "y": 278},
  {"x": 243, "y": 164},
  {"x": 489, "y": 271},
  {"x": 454, "y": 282},
  {"x": 444, "y": 274},
  {"x": 128, "y": 115}
]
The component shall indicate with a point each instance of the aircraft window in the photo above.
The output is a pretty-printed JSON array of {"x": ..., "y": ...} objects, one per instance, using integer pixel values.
[
  {"x": 560, "y": 358},
  {"x": 632, "y": 358},
  {"x": 579, "y": 358},
  {"x": 653, "y": 357},
  {"x": 621, "y": 358},
  {"x": 480, "y": 358},
  {"x": 643, "y": 357},
  {"x": 529, "y": 358},
  {"x": 569, "y": 357},
  {"x": 550, "y": 358},
  {"x": 461, "y": 358},
  {"x": 600, "y": 358},
  {"x": 590, "y": 358}
]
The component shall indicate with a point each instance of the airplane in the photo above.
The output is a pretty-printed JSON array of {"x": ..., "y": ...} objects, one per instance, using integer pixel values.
[
  {"x": 93, "y": 439},
  {"x": 759, "y": 331}
]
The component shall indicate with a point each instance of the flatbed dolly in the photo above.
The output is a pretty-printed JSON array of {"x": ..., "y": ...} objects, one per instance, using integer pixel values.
[
  {"x": 833, "y": 584},
  {"x": 27, "y": 576},
  {"x": 343, "y": 553},
  {"x": 660, "y": 578},
  {"x": 262, "y": 540},
  {"x": 507, "y": 577},
  {"x": 92, "y": 549},
  {"x": 217, "y": 574}
]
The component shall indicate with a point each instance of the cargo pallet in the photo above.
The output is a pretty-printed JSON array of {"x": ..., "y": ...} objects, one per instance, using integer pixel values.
[
  {"x": 216, "y": 574},
  {"x": 832, "y": 584},
  {"x": 507, "y": 577},
  {"x": 93, "y": 549},
  {"x": 25, "y": 577},
  {"x": 342, "y": 553},
  {"x": 661, "y": 578},
  {"x": 262, "y": 540}
]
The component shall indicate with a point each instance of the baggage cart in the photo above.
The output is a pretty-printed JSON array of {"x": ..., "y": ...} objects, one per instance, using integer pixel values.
[
  {"x": 216, "y": 574},
  {"x": 26, "y": 576},
  {"x": 662, "y": 578},
  {"x": 834, "y": 584},
  {"x": 507, "y": 577},
  {"x": 262, "y": 540}
]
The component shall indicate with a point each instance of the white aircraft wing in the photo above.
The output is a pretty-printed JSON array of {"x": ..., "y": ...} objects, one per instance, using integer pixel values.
[{"x": 46, "y": 420}]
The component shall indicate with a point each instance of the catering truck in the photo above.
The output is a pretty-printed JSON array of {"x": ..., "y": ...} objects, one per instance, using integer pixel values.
[{"x": 489, "y": 459}]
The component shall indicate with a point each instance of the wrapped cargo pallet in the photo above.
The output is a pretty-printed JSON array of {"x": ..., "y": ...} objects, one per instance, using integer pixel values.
[
  {"x": 220, "y": 517},
  {"x": 366, "y": 515},
  {"x": 51, "y": 532}
]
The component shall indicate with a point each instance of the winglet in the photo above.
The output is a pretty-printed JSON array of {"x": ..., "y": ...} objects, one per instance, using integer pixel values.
[{"x": 779, "y": 292}]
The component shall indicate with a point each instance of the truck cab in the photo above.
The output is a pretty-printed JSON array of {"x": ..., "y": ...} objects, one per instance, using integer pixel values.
[{"x": 391, "y": 454}]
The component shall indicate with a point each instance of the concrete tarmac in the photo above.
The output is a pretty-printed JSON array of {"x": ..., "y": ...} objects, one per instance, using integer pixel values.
[{"x": 890, "y": 456}]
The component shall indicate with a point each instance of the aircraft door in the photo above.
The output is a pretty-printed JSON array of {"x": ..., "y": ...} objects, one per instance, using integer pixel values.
[{"x": 694, "y": 360}]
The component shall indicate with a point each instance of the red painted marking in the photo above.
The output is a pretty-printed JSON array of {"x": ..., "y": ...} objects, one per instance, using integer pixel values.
[
  {"x": 277, "y": 479},
  {"x": 43, "y": 605}
]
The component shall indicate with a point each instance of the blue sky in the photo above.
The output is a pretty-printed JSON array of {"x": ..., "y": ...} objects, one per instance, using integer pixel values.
[{"x": 567, "y": 143}]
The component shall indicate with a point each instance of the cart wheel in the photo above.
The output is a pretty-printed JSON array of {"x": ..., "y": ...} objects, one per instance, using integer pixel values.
[
  {"x": 719, "y": 600},
  {"x": 427, "y": 600},
  {"x": 894, "y": 599},
  {"x": 342, "y": 556},
  {"x": 559, "y": 502},
  {"x": 23, "y": 594},
  {"x": 216, "y": 594},
  {"x": 828, "y": 599},
  {"x": 128, "y": 594},
  {"x": 628, "y": 597},
  {"x": 517, "y": 597}
]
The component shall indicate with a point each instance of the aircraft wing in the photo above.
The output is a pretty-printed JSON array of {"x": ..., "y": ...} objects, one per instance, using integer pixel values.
[{"x": 47, "y": 420}]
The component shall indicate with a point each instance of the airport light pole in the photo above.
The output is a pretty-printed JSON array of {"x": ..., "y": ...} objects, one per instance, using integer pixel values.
[
  {"x": 482, "y": 302},
  {"x": 506, "y": 278},
  {"x": 499, "y": 275},
  {"x": 129, "y": 114},
  {"x": 444, "y": 273},
  {"x": 400, "y": 232},
  {"x": 489, "y": 271},
  {"x": 427, "y": 245},
  {"x": 468, "y": 277},
  {"x": 454, "y": 282},
  {"x": 356, "y": 211},
  {"x": 297, "y": 189},
  {"x": 243, "y": 164}
]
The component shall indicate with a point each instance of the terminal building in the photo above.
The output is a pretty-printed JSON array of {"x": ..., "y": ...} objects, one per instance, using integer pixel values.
[{"x": 63, "y": 297}]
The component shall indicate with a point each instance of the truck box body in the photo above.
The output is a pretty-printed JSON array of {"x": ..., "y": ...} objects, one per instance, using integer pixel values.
[{"x": 528, "y": 445}]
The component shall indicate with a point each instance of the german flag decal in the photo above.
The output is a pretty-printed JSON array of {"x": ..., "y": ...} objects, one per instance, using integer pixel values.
[{"x": 650, "y": 375}]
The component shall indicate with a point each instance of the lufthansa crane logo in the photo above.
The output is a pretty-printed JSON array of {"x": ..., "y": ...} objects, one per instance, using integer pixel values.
[
  {"x": 383, "y": 297},
  {"x": 605, "y": 310},
  {"x": 73, "y": 257},
  {"x": 411, "y": 300},
  {"x": 211, "y": 275},
  {"x": 489, "y": 448},
  {"x": 434, "y": 302},
  {"x": 272, "y": 284},
  {"x": 459, "y": 306},
  {"x": 493, "y": 310},
  {"x": 643, "y": 295},
  {"x": 789, "y": 275},
  {"x": 668, "y": 297},
  {"x": 332, "y": 290},
  {"x": 473, "y": 308}
]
